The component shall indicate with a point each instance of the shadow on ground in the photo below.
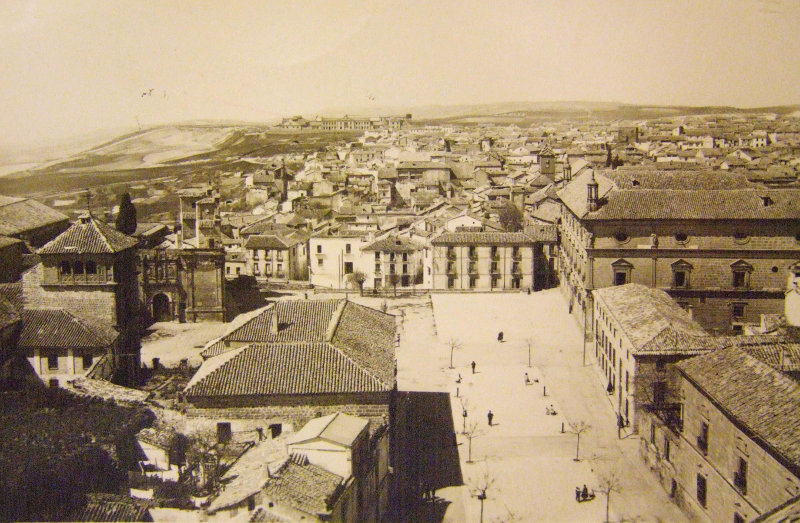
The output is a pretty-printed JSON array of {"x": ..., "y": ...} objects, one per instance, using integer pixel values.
[{"x": 425, "y": 454}]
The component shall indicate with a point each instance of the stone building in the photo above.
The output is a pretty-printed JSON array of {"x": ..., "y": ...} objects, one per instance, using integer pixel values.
[
  {"x": 482, "y": 260},
  {"x": 30, "y": 221},
  {"x": 717, "y": 244},
  {"x": 88, "y": 272},
  {"x": 734, "y": 456},
  {"x": 297, "y": 360}
]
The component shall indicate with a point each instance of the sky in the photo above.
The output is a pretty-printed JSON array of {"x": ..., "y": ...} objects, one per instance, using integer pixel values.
[{"x": 72, "y": 68}]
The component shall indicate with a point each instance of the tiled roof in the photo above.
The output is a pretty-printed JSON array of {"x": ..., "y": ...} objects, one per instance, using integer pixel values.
[
  {"x": 782, "y": 356},
  {"x": 650, "y": 319},
  {"x": 249, "y": 474},
  {"x": 266, "y": 241},
  {"x": 298, "y": 320},
  {"x": 305, "y": 487},
  {"x": 110, "y": 507},
  {"x": 759, "y": 397},
  {"x": 89, "y": 236},
  {"x": 393, "y": 243},
  {"x": 54, "y": 328},
  {"x": 13, "y": 293},
  {"x": 367, "y": 336},
  {"x": 283, "y": 369},
  {"x": 482, "y": 238},
  {"x": 737, "y": 204},
  {"x": 18, "y": 215},
  {"x": 693, "y": 195},
  {"x": 158, "y": 435},
  {"x": 542, "y": 232}
]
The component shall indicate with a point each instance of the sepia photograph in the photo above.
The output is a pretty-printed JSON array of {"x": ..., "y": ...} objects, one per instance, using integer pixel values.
[{"x": 461, "y": 261}]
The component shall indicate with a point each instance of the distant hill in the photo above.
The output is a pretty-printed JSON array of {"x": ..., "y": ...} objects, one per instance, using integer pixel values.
[{"x": 548, "y": 110}]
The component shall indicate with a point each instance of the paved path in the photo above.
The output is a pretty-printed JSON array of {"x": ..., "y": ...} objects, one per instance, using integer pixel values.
[{"x": 525, "y": 453}]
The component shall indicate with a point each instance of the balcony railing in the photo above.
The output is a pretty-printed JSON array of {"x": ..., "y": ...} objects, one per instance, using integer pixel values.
[
  {"x": 495, "y": 256},
  {"x": 473, "y": 256},
  {"x": 451, "y": 270},
  {"x": 451, "y": 255},
  {"x": 473, "y": 268},
  {"x": 516, "y": 270}
]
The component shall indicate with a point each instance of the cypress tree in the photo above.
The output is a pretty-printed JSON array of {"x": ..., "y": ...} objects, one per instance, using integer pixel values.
[{"x": 126, "y": 218}]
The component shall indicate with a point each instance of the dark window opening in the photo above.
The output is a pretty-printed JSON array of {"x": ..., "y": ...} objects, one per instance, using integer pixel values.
[
  {"x": 52, "y": 362},
  {"x": 620, "y": 278},
  {"x": 701, "y": 490},
  {"x": 78, "y": 267},
  {"x": 91, "y": 267},
  {"x": 681, "y": 237}
]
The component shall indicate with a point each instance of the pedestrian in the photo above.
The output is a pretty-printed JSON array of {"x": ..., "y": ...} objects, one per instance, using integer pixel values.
[
  {"x": 500, "y": 336},
  {"x": 459, "y": 378},
  {"x": 491, "y": 417},
  {"x": 527, "y": 379},
  {"x": 585, "y": 492},
  {"x": 577, "y": 494},
  {"x": 473, "y": 367}
]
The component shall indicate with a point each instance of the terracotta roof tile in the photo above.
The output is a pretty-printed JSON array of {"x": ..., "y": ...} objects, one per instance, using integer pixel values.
[
  {"x": 761, "y": 398},
  {"x": 89, "y": 236},
  {"x": 55, "y": 328},
  {"x": 482, "y": 238},
  {"x": 286, "y": 368},
  {"x": 18, "y": 215},
  {"x": 305, "y": 487}
]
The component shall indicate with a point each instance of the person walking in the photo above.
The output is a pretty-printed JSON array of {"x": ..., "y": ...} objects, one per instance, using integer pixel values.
[
  {"x": 577, "y": 494},
  {"x": 585, "y": 492},
  {"x": 473, "y": 367},
  {"x": 527, "y": 379},
  {"x": 491, "y": 417},
  {"x": 500, "y": 336}
]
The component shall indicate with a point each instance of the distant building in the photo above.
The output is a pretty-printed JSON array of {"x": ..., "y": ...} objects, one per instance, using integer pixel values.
[
  {"x": 714, "y": 242},
  {"x": 30, "y": 221}
]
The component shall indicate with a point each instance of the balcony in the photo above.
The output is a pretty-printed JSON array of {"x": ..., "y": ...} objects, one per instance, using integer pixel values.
[
  {"x": 516, "y": 270},
  {"x": 451, "y": 255},
  {"x": 495, "y": 256},
  {"x": 451, "y": 270},
  {"x": 473, "y": 256},
  {"x": 473, "y": 268},
  {"x": 516, "y": 256}
]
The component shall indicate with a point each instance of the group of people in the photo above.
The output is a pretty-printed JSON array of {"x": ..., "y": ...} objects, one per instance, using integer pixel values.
[
  {"x": 550, "y": 411},
  {"x": 583, "y": 494}
]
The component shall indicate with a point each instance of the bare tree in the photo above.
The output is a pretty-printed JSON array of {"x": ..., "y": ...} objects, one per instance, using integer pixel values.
[
  {"x": 203, "y": 456},
  {"x": 609, "y": 484},
  {"x": 453, "y": 344},
  {"x": 358, "y": 277},
  {"x": 511, "y": 218},
  {"x": 482, "y": 486},
  {"x": 578, "y": 428},
  {"x": 529, "y": 342},
  {"x": 471, "y": 431},
  {"x": 394, "y": 280},
  {"x": 464, "y": 413}
]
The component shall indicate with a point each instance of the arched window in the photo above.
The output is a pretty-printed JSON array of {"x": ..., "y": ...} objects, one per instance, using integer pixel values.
[
  {"x": 91, "y": 267},
  {"x": 66, "y": 268},
  {"x": 78, "y": 267}
]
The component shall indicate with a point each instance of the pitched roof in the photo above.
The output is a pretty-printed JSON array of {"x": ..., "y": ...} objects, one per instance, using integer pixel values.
[
  {"x": 298, "y": 320},
  {"x": 652, "y": 321},
  {"x": 18, "y": 215},
  {"x": 89, "y": 236},
  {"x": 542, "y": 232},
  {"x": 765, "y": 401},
  {"x": 9, "y": 314},
  {"x": 57, "y": 328},
  {"x": 666, "y": 195},
  {"x": 367, "y": 336},
  {"x": 303, "y": 486},
  {"x": 285, "y": 368},
  {"x": 337, "y": 428},
  {"x": 393, "y": 243},
  {"x": 111, "y": 507},
  {"x": 482, "y": 238},
  {"x": 264, "y": 241}
]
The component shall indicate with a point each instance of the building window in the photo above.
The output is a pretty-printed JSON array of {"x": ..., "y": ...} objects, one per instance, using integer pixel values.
[
  {"x": 681, "y": 237},
  {"x": 621, "y": 237},
  {"x": 495, "y": 279},
  {"x": 347, "y": 248},
  {"x": 737, "y": 311},
  {"x": 451, "y": 282},
  {"x": 740, "y": 476},
  {"x": 652, "y": 432},
  {"x": 621, "y": 272},
  {"x": 741, "y": 274},
  {"x": 91, "y": 267},
  {"x": 53, "y": 384},
  {"x": 702, "y": 438},
  {"x": 52, "y": 362},
  {"x": 666, "y": 447},
  {"x": 87, "y": 361},
  {"x": 319, "y": 262},
  {"x": 66, "y": 268},
  {"x": 377, "y": 255},
  {"x": 319, "y": 249},
  {"x": 680, "y": 274},
  {"x": 78, "y": 267},
  {"x": 348, "y": 267},
  {"x": 701, "y": 490},
  {"x": 740, "y": 237},
  {"x": 738, "y": 518},
  {"x": 473, "y": 281},
  {"x": 377, "y": 267}
]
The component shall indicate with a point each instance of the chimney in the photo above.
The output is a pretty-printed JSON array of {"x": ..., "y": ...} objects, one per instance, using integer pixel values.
[
  {"x": 591, "y": 193},
  {"x": 273, "y": 322},
  {"x": 791, "y": 302},
  {"x": 567, "y": 176}
]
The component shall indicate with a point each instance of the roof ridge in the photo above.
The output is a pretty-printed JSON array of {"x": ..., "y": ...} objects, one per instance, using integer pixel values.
[
  {"x": 214, "y": 371},
  {"x": 358, "y": 365},
  {"x": 333, "y": 323},
  {"x": 99, "y": 230}
]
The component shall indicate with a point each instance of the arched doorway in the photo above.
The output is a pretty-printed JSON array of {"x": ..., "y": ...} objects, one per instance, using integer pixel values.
[{"x": 162, "y": 308}]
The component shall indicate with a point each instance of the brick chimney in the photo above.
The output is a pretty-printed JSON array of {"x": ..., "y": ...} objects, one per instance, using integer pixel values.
[
  {"x": 273, "y": 322},
  {"x": 591, "y": 193}
]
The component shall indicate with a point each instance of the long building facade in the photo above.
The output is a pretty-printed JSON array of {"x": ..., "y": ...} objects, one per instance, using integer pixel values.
[{"x": 717, "y": 244}]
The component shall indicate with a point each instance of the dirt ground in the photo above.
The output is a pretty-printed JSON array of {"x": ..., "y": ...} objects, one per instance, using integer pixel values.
[{"x": 524, "y": 455}]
